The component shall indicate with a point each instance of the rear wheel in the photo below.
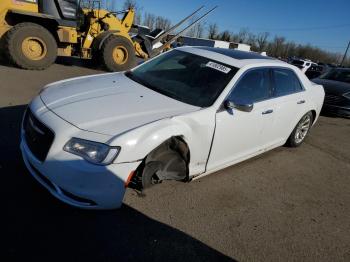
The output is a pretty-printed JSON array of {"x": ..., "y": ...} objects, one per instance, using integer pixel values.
[
  {"x": 300, "y": 132},
  {"x": 30, "y": 46},
  {"x": 117, "y": 54}
]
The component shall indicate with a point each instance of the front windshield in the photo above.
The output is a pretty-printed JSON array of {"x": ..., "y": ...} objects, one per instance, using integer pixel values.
[
  {"x": 341, "y": 75},
  {"x": 186, "y": 77}
]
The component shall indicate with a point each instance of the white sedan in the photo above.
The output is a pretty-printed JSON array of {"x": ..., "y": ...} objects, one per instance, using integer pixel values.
[{"x": 182, "y": 115}]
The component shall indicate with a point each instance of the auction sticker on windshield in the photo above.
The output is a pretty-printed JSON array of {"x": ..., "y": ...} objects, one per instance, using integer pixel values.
[{"x": 218, "y": 67}]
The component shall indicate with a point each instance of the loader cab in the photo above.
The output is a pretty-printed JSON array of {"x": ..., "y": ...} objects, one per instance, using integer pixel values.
[{"x": 60, "y": 9}]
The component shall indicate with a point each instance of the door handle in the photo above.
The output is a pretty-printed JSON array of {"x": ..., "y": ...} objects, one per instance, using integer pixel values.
[
  {"x": 301, "y": 102},
  {"x": 267, "y": 112}
]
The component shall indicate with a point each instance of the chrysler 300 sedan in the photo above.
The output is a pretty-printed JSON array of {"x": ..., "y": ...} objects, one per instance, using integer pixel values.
[{"x": 182, "y": 115}]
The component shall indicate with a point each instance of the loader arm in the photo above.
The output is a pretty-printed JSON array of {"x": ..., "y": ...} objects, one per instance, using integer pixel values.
[
  {"x": 147, "y": 43},
  {"x": 172, "y": 39},
  {"x": 101, "y": 21}
]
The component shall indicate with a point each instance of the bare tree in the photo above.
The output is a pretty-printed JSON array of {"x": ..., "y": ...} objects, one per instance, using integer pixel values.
[
  {"x": 261, "y": 41},
  {"x": 134, "y": 4},
  {"x": 225, "y": 36},
  {"x": 149, "y": 20},
  {"x": 200, "y": 26},
  {"x": 251, "y": 40},
  {"x": 213, "y": 31},
  {"x": 235, "y": 38},
  {"x": 162, "y": 23},
  {"x": 243, "y": 35},
  {"x": 277, "y": 46},
  {"x": 130, "y": 4},
  {"x": 138, "y": 18},
  {"x": 196, "y": 30}
]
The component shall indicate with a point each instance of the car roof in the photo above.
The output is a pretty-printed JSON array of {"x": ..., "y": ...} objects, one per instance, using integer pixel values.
[
  {"x": 233, "y": 57},
  {"x": 236, "y": 54}
]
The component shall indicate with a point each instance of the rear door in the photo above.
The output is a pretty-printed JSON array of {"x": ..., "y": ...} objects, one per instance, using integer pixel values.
[{"x": 288, "y": 102}]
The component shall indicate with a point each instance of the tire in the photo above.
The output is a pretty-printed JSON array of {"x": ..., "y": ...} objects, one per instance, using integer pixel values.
[
  {"x": 2, "y": 49},
  {"x": 301, "y": 130},
  {"x": 117, "y": 54},
  {"x": 149, "y": 177},
  {"x": 30, "y": 46}
]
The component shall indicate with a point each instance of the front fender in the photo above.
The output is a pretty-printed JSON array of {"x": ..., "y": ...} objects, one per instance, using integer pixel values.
[{"x": 195, "y": 128}]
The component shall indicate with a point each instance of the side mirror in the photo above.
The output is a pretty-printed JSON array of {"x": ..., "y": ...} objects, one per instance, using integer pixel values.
[{"x": 245, "y": 107}]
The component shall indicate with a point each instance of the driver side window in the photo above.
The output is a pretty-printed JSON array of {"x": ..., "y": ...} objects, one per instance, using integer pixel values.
[{"x": 253, "y": 87}]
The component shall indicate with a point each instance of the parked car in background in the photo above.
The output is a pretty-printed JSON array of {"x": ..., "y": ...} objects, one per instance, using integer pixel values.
[
  {"x": 314, "y": 71},
  {"x": 336, "y": 84},
  {"x": 327, "y": 66},
  {"x": 302, "y": 64},
  {"x": 182, "y": 115}
]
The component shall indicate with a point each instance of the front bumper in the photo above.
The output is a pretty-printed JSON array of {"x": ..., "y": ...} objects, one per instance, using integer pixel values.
[
  {"x": 70, "y": 178},
  {"x": 80, "y": 184}
]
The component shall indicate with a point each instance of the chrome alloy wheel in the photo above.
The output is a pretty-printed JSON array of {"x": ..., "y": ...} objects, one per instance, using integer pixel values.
[{"x": 302, "y": 129}]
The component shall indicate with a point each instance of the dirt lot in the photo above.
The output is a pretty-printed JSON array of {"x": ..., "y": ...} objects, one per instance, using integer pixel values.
[{"x": 285, "y": 205}]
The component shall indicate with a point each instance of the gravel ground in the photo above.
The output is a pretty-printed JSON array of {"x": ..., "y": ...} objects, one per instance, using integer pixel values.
[{"x": 285, "y": 205}]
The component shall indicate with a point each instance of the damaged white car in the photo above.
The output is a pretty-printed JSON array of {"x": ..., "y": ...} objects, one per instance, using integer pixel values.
[{"x": 182, "y": 115}]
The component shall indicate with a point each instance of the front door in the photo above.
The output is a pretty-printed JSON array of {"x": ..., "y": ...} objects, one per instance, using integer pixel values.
[{"x": 239, "y": 134}]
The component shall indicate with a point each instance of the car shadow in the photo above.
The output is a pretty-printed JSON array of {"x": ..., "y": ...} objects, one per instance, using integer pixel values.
[
  {"x": 70, "y": 61},
  {"x": 79, "y": 62},
  {"x": 332, "y": 115},
  {"x": 66, "y": 61},
  {"x": 38, "y": 227},
  {"x": 3, "y": 60}
]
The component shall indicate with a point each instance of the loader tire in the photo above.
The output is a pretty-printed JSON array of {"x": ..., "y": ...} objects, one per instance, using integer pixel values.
[
  {"x": 30, "y": 46},
  {"x": 117, "y": 54}
]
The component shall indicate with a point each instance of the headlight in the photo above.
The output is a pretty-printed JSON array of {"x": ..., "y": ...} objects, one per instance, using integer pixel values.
[
  {"x": 96, "y": 153},
  {"x": 347, "y": 95}
]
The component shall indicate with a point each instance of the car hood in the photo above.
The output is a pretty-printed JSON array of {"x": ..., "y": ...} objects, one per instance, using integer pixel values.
[
  {"x": 109, "y": 104},
  {"x": 333, "y": 87}
]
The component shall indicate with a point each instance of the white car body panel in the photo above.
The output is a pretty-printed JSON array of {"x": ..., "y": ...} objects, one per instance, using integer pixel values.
[
  {"x": 134, "y": 104},
  {"x": 196, "y": 129},
  {"x": 114, "y": 110}
]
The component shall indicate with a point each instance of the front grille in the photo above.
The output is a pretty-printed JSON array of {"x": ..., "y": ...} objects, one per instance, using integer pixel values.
[
  {"x": 333, "y": 99},
  {"x": 38, "y": 137}
]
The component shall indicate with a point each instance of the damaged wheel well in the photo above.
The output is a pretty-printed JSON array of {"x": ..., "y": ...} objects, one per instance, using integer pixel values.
[{"x": 168, "y": 161}]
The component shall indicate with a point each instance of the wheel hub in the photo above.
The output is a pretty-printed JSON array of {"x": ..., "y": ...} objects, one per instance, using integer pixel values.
[
  {"x": 302, "y": 129},
  {"x": 34, "y": 48},
  {"x": 120, "y": 55}
]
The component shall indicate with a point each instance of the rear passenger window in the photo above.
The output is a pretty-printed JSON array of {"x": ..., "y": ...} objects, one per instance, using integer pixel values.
[
  {"x": 286, "y": 82},
  {"x": 253, "y": 87}
]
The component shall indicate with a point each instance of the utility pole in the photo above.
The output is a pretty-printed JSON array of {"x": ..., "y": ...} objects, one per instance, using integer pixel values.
[{"x": 346, "y": 51}]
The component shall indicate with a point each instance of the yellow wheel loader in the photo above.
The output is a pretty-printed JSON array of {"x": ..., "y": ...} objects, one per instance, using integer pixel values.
[{"x": 34, "y": 32}]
